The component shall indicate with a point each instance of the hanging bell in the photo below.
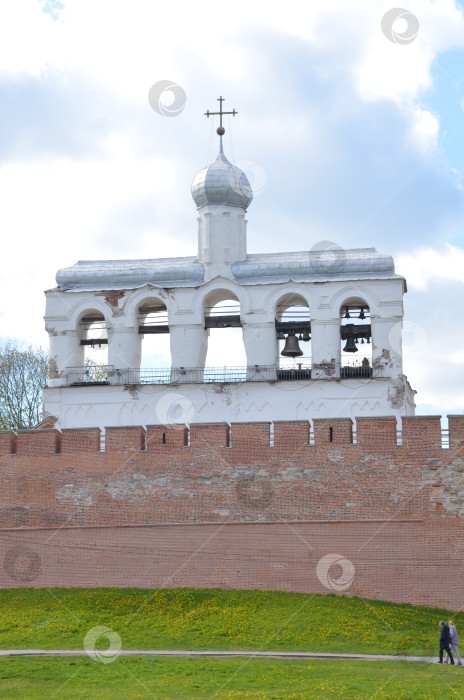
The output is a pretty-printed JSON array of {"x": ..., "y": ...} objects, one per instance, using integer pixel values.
[
  {"x": 368, "y": 341},
  {"x": 347, "y": 313},
  {"x": 362, "y": 315},
  {"x": 362, "y": 341},
  {"x": 306, "y": 336},
  {"x": 291, "y": 349},
  {"x": 350, "y": 345}
]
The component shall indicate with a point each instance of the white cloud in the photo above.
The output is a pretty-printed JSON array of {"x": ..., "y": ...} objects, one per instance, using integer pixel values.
[
  {"x": 28, "y": 39},
  {"x": 424, "y": 130},
  {"x": 424, "y": 267},
  {"x": 334, "y": 121}
]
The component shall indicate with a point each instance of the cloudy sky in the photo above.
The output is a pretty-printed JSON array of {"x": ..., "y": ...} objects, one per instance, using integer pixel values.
[{"x": 350, "y": 130}]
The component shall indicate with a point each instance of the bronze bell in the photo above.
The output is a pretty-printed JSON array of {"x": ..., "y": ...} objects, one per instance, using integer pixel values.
[
  {"x": 350, "y": 345},
  {"x": 292, "y": 348}
]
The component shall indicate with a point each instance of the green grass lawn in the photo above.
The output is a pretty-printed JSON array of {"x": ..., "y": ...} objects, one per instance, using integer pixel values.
[
  {"x": 225, "y": 678},
  {"x": 215, "y": 619}
]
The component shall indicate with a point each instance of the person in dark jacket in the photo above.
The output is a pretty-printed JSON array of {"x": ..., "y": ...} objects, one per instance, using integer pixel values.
[{"x": 445, "y": 639}]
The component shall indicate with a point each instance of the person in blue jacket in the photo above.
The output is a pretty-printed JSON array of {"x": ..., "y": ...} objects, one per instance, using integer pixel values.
[{"x": 445, "y": 639}]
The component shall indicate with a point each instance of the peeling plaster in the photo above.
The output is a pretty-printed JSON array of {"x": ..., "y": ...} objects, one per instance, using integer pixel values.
[
  {"x": 112, "y": 299},
  {"x": 397, "y": 393},
  {"x": 53, "y": 372}
]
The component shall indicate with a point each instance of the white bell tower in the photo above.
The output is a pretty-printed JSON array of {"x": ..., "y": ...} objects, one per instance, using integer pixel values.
[{"x": 344, "y": 307}]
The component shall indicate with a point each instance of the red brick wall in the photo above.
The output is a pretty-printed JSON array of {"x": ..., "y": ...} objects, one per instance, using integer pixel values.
[
  {"x": 161, "y": 507},
  {"x": 76, "y": 441}
]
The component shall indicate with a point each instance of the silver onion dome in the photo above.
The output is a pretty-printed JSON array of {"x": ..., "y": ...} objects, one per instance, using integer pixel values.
[{"x": 222, "y": 183}]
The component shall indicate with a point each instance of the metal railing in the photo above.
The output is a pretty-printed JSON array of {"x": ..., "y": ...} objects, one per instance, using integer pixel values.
[{"x": 351, "y": 368}]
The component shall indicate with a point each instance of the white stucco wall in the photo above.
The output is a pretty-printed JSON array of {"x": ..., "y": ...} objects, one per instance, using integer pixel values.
[{"x": 103, "y": 406}]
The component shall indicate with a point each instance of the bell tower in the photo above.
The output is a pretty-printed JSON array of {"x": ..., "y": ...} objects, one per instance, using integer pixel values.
[{"x": 339, "y": 313}]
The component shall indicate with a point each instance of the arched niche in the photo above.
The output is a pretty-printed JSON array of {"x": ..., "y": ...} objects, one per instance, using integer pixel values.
[
  {"x": 355, "y": 338},
  {"x": 223, "y": 323},
  {"x": 293, "y": 330},
  {"x": 152, "y": 326},
  {"x": 92, "y": 334}
]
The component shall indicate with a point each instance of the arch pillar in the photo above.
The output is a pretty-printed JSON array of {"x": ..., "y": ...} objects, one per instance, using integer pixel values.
[
  {"x": 325, "y": 341},
  {"x": 189, "y": 345},
  {"x": 261, "y": 346},
  {"x": 65, "y": 351},
  {"x": 124, "y": 352},
  {"x": 386, "y": 346}
]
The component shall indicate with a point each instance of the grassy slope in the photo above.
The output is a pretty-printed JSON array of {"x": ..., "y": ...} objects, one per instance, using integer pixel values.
[
  {"x": 215, "y": 619},
  {"x": 226, "y": 678}
]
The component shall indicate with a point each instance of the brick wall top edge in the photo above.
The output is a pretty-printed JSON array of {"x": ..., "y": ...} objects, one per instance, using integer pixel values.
[
  {"x": 125, "y": 427},
  {"x": 375, "y": 418},
  {"x": 37, "y": 431},
  {"x": 193, "y": 425},
  {"x": 333, "y": 420},
  {"x": 419, "y": 418},
  {"x": 293, "y": 422},
  {"x": 255, "y": 422},
  {"x": 222, "y": 423},
  {"x": 83, "y": 430}
]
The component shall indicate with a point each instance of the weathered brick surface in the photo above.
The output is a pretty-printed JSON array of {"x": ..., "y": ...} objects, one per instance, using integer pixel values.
[
  {"x": 80, "y": 440},
  {"x": 338, "y": 431},
  {"x": 37, "y": 443},
  {"x": 425, "y": 432},
  {"x": 288, "y": 434},
  {"x": 7, "y": 442},
  {"x": 215, "y": 507},
  {"x": 124, "y": 440},
  {"x": 165, "y": 437},
  {"x": 403, "y": 562},
  {"x": 378, "y": 433},
  {"x": 456, "y": 433}
]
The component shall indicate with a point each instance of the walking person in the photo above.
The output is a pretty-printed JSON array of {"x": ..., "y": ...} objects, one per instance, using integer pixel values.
[
  {"x": 445, "y": 640},
  {"x": 454, "y": 641}
]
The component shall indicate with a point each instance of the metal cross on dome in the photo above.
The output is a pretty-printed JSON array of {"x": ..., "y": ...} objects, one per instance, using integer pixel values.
[{"x": 220, "y": 130}]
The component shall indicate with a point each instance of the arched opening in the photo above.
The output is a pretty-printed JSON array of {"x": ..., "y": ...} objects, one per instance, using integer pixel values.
[
  {"x": 355, "y": 337},
  {"x": 153, "y": 328},
  {"x": 293, "y": 329},
  {"x": 226, "y": 349},
  {"x": 93, "y": 336}
]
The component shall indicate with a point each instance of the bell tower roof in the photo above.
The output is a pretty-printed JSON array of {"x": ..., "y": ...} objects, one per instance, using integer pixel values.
[{"x": 221, "y": 182}]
